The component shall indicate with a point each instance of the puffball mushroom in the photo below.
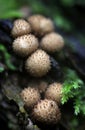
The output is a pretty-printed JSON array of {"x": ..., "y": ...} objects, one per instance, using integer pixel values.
[
  {"x": 52, "y": 42},
  {"x": 46, "y": 111},
  {"x": 38, "y": 64},
  {"x": 41, "y": 25},
  {"x": 30, "y": 96},
  {"x": 21, "y": 27},
  {"x": 25, "y": 45},
  {"x": 54, "y": 92},
  {"x": 40, "y": 84}
]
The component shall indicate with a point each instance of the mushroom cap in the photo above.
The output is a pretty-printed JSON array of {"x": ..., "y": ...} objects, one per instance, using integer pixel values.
[
  {"x": 34, "y": 21},
  {"x": 54, "y": 92},
  {"x": 21, "y": 27},
  {"x": 52, "y": 42},
  {"x": 41, "y": 25},
  {"x": 42, "y": 86},
  {"x": 38, "y": 64},
  {"x": 25, "y": 45},
  {"x": 46, "y": 26},
  {"x": 30, "y": 96},
  {"x": 46, "y": 111}
]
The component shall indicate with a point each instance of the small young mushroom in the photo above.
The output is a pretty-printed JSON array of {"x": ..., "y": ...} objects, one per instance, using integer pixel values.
[
  {"x": 52, "y": 42},
  {"x": 38, "y": 64},
  {"x": 25, "y": 45},
  {"x": 21, "y": 27},
  {"x": 41, "y": 25},
  {"x": 54, "y": 92},
  {"x": 30, "y": 96},
  {"x": 40, "y": 84},
  {"x": 47, "y": 112}
]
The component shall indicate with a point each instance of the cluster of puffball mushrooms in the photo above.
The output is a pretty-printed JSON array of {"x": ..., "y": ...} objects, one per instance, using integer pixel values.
[{"x": 35, "y": 40}]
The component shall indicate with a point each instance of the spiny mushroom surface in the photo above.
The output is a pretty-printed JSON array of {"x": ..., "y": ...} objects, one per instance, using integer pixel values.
[
  {"x": 52, "y": 42},
  {"x": 21, "y": 27},
  {"x": 46, "y": 111},
  {"x": 30, "y": 96},
  {"x": 54, "y": 92},
  {"x": 25, "y": 45},
  {"x": 38, "y": 64},
  {"x": 41, "y": 25}
]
